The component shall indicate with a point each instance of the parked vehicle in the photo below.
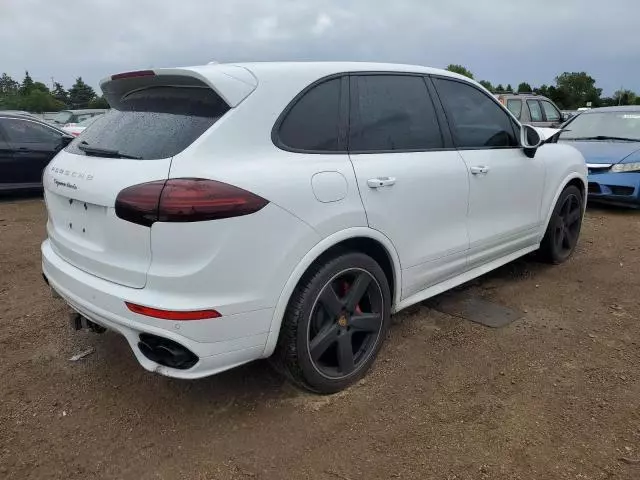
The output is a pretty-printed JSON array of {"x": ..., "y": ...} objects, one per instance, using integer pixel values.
[
  {"x": 532, "y": 109},
  {"x": 72, "y": 117},
  {"x": 293, "y": 208},
  {"x": 609, "y": 139},
  {"x": 26, "y": 147},
  {"x": 18, "y": 112},
  {"x": 77, "y": 128}
]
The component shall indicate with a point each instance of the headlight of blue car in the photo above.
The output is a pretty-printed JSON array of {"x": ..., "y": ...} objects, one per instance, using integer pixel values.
[{"x": 626, "y": 167}]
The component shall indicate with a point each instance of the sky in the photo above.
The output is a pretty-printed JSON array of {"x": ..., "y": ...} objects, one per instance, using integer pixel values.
[{"x": 503, "y": 41}]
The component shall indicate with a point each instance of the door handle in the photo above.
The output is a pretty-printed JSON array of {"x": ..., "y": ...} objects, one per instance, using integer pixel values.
[
  {"x": 381, "y": 182},
  {"x": 479, "y": 170}
]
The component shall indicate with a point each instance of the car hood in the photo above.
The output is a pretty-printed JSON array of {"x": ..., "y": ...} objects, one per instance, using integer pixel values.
[{"x": 609, "y": 152}]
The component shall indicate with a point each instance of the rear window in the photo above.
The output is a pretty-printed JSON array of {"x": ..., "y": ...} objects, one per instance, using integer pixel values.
[{"x": 154, "y": 123}]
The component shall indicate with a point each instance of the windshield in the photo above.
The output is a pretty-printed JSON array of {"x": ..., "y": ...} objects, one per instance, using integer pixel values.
[
  {"x": 604, "y": 124},
  {"x": 61, "y": 117}
]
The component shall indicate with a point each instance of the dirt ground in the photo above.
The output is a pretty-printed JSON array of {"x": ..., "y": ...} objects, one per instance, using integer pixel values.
[{"x": 554, "y": 395}]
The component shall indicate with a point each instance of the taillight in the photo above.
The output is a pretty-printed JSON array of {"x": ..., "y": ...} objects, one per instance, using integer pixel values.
[{"x": 185, "y": 200}]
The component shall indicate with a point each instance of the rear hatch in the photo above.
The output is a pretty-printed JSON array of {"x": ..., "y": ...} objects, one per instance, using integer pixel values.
[{"x": 155, "y": 116}]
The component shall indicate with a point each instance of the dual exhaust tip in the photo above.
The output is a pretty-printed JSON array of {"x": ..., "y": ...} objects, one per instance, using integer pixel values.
[{"x": 166, "y": 352}]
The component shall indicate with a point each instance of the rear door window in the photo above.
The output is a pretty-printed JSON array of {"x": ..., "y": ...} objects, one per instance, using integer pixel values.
[
  {"x": 154, "y": 123},
  {"x": 535, "y": 111},
  {"x": 477, "y": 120},
  {"x": 313, "y": 123},
  {"x": 515, "y": 106},
  {"x": 21, "y": 131},
  {"x": 551, "y": 112},
  {"x": 391, "y": 113}
]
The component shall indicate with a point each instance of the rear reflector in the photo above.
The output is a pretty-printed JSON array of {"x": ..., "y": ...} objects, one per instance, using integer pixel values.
[
  {"x": 185, "y": 200},
  {"x": 171, "y": 314},
  {"x": 139, "y": 73}
]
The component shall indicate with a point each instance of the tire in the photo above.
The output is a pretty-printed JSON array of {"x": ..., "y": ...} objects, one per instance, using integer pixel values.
[
  {"x": 563, "y": 231},
  {"x": 340, "y": 307}
]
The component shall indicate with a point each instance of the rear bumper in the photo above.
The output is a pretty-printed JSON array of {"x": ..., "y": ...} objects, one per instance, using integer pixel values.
[
  {"x": 615, "y": 188},
  {"x": 220, "y": 343}
]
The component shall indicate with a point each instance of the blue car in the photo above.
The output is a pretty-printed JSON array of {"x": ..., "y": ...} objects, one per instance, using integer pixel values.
[{"x": 609, "y": 139}]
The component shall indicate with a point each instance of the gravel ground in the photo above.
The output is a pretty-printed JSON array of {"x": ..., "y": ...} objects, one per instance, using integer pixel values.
[{"x": 554, "y": 395}]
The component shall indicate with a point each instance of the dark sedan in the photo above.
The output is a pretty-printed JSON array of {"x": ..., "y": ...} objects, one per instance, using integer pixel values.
[
  {"x": 26, "y": 147},
  {"x": 609, "y": 140}
]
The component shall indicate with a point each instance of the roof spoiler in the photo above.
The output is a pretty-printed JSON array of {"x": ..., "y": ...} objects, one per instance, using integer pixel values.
[{"x": 233, "y": 83}]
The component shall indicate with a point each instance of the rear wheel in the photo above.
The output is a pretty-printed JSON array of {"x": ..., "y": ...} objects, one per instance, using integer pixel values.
[
  {"x": 562, "y": 233},
  {"x": 335, "y": 323}
]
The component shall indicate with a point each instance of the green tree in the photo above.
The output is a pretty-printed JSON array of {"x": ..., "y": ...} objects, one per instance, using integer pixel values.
[
  {"x": 624, "y": 97},
  {"x": 60, "y": 94},
  {"x": 8, "y": 86},
  {"x": 39, "y": 101},
  {"x": 99, "y": 102},
  {"x": 80, "y": 94},
  {"x": 40, "y": 86},
  {"x": 27, "y": 84},
  {"x": 524, "y": 87},
  {"x": 460, "y": 69},
  {"x": 487, "y": 84},
  {"x": 509, "y": 88},
  {"x": 576, "y": 89},
  {"x": 499, "y": 88}
]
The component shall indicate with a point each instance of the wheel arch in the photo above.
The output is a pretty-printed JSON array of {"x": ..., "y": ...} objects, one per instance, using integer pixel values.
[
  {"x": 573, "y": 179},
  {"x": 362, "y": 239}
]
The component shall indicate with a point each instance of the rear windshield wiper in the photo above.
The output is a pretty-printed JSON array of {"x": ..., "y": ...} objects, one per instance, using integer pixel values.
[
  {"x": 105, "y": 152},
  {"x": 605, "y": 137}
]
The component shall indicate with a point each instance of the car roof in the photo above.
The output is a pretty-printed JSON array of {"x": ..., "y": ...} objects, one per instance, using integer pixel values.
[
  {"x": 317, "y": 70},
  {"x": 235, "y": 81},
  {"x": 29, "y": 117},
  {"x": 618, "y": 108}
]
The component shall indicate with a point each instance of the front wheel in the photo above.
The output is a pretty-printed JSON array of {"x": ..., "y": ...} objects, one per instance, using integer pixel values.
[
  {"x": 562, "y": 233},
  {"x": 335, "y": 323}
]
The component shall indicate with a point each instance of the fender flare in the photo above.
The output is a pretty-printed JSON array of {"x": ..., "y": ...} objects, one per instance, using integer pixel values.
[
  {"x": 563, "y": 185},
  {"x": 311, "y": 256}
]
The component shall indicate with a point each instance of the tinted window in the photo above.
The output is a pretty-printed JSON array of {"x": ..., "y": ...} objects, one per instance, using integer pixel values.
[
  {"x": 476, "y": 120},
  {"x": 23, "y": 131},
  {"x": 156, "y": 122},
  {"x": 515, "y": 107},
  {"x": 534, "y": 110},
  {"x": 314, "y": 121},
  {"x": 551, "y": 112},
  {"x": 392, "y": 112}
]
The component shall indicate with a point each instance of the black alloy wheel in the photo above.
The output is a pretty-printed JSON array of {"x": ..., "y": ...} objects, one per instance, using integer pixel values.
[
  {"x": 335, "y": 323},
  {"x": 567, "y": 225},
  {"x": 345, "y": 323},
  {"x": 563, "y": 231}
]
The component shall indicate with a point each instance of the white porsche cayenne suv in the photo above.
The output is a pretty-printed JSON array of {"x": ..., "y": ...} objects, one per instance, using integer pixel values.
[{"x": 225, "y": 213}]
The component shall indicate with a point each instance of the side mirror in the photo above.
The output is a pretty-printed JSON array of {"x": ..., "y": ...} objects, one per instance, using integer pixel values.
[
  {"x": 530, "y": 139},
  {"x": 565, "y": 117}
]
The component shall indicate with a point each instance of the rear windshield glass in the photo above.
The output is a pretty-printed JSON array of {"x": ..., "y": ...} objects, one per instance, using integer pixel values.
[{"x": 153, "y": 123}]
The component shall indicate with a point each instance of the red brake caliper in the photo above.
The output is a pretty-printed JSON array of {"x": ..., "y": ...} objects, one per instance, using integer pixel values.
[{"x": 345, "y": 290}]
